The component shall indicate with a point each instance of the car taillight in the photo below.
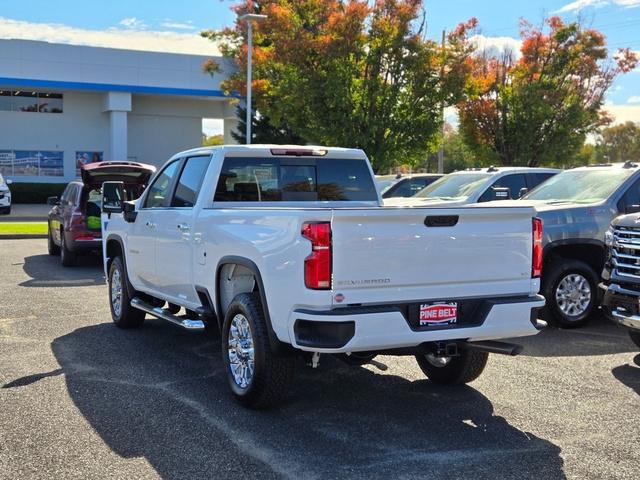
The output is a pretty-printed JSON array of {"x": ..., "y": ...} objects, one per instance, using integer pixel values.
[
  {"x": 536, "y": 260},
  {"x": 317, "y": 266}
]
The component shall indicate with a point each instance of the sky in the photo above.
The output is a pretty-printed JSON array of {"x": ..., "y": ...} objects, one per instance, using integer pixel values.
[{"x": 170, "y": 25}]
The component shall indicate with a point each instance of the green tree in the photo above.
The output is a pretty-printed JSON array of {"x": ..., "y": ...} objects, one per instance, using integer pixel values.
[
  {"x": 457, "y": 155},
  {"x": 262, "y": 130},
  {"x": 213, "y": 140},
  {"x": 351, "y": 73},
  {"x": 539, "y": 109},
  {"x": 620, "y": 143}
]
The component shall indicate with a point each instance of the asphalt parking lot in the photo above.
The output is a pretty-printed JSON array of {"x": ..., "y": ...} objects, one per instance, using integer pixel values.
[{"x": 82, "y": 399}]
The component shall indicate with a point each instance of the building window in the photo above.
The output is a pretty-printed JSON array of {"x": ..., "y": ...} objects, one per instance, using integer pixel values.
[
  {"x": 30, "y": 101},
  {"x": 36, "y": 163},
  {"x": 83, "y": 158}
]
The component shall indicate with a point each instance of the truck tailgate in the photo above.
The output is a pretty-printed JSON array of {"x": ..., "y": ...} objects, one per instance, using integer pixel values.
[{"x": 404, "y": 254}]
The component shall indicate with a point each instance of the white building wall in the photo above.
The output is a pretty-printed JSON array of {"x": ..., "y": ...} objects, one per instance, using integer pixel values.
[
  {"x": 169, "y": 95},
  {"x": 81, "y": 127}
]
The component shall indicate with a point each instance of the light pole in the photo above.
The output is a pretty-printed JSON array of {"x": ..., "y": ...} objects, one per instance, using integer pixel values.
[{"x": 250, "y": 18}]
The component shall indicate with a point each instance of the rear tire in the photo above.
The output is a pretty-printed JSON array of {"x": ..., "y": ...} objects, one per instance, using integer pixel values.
[
  {"x": 122, "y": 313},
  {"x": 67, "y": 257},
  {"x": 635, "y": 337},
  {"x": 570, "y": 288},
  {"x": 464, "y": 368},
  {"x": 258, "y": 376},
  {"x": 51, "y": 245}
]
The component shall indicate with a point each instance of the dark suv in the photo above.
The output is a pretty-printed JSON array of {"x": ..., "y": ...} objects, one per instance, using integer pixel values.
[{"x": 74, "y": 220}]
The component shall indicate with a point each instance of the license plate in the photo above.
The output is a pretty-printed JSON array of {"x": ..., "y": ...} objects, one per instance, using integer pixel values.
[{"x": 437, "y": 314}]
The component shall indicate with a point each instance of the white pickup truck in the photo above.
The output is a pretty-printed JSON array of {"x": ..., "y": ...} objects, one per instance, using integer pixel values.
[{"x": 289, "y": 250}]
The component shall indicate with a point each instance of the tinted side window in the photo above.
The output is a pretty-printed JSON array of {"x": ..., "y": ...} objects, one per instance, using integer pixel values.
[
  {"x": 513, "y": 182},
  {"x": 410, "y": 187},
  {"x": 535, "y": 179},
  {"x": 64, "y": 198},
  {"x": 69, "y": 195},
  {"x": 278, "y": 179},
  {"x": 190, "y": 182},
  {"x": 159, "y": 190},
  {"x": 630, "y": 197}
]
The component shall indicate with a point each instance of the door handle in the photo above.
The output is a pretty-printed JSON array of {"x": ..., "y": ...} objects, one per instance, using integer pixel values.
[
  {"x": 150, "y": 224},
  {"x": 183, "y": 227}
]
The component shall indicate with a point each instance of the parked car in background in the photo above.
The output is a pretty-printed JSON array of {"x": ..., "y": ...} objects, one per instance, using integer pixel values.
[
  {"x": 577, "y": 207},
  {"x": 273, "y": 246},
  {"x": 478, "y": 185},
  {"x": 5, "y": 195},
  {"x": 620, "y": 285},
  {"x": 404, "y": 185},
  {"x": 74, "y": 219}
]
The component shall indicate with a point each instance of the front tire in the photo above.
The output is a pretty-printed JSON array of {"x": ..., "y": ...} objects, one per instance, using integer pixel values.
[
  {"x": 464, "y": 368},
  {"x": 67, "y": 257},
  {"x": 570, "y": 288},
  {"x": 635, "y": 337},
  {"x": 258, "y": 376},
  {"x": 122, "y": 313}
]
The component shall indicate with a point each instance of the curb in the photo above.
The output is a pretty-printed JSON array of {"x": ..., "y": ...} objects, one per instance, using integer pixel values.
[{"x": 22, "y": 236}]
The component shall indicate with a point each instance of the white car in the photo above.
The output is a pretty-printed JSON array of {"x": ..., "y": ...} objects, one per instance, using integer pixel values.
[
  {"x": 288, "y": 250},
  {"x": 5, "y": 195},
  {"x": 478, "y": 185}
]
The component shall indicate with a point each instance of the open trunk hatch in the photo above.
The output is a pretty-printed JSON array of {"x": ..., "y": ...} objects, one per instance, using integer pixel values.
[{"x": 131, "y": 173}]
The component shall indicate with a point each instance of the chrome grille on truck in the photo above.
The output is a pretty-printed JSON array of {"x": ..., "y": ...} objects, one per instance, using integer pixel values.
[{"x": 625, "y": 253}]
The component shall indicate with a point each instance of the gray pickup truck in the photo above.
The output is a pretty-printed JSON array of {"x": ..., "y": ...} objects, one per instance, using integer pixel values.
[{"x": 577, "y": 207}]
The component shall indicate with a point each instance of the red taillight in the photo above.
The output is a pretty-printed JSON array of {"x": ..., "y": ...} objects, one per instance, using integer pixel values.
[
  {"x": 317, "y": 266},
  {"x": 536, "y": 260},
  {"x": 77, "y": 220}
]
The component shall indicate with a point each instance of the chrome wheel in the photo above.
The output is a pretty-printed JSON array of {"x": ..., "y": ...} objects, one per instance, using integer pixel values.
[
  {"x": 116, "y": 292},
  {"x": 241, "y": 352},
  {"x": 437, "y": 361},
  {"x": 573, "y": 295}
]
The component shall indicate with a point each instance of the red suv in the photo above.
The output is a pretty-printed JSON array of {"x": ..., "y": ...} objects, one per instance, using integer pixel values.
[{"x": 74, "y": 220}]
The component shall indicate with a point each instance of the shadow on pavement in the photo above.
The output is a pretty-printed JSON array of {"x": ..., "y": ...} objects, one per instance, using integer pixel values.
[
  {"x": 629, "y": 374},
  {"x": 598, "y": 337},
  {"x": 160, "y": 393},
  {"x": 46, "y": 271},
  {"x": 29, "y": 379}
]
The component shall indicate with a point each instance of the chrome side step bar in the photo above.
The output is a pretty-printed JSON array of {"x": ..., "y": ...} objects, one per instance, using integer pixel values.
[{"x": 164, "y": 314}]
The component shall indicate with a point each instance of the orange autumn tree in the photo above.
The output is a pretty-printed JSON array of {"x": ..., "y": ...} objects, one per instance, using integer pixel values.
[
  {"x": 351, "y": 73},
  {"x": 539, "y": 108}
]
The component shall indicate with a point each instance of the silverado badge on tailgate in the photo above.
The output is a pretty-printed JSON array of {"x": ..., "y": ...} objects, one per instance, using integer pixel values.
[{"x": 438, "y": 314}]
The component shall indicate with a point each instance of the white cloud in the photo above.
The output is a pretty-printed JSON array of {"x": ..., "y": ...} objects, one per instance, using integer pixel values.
[
  {"x": 497, "y": 45},
  {"x": 624, "y": 113},
  {"x": 578, "y": 5},
  {"x": 130, "y": 39},
  {"x": 178, "y": 25},
  {"x": 634, "y": 99},
  {"x": 132, "y": 22}
]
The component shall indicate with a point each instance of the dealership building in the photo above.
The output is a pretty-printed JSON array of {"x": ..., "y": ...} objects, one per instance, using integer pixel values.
[{"x": 65, "y": 105}]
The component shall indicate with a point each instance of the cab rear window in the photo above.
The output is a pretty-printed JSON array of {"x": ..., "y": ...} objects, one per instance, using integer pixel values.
[{"x": 294, "y": 180}]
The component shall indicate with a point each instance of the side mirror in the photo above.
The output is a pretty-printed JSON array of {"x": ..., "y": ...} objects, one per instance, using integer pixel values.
[
  {"x": 523, "y": 192},
  {"x": 8, "y": 182},
  {"x": 632, "y": 209},
  {"x": 52, "y": 201},
  {"x": 129, "y": 209},
  {"x": 501, "y": 193},
  {"x": 113, "y": 197}
]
